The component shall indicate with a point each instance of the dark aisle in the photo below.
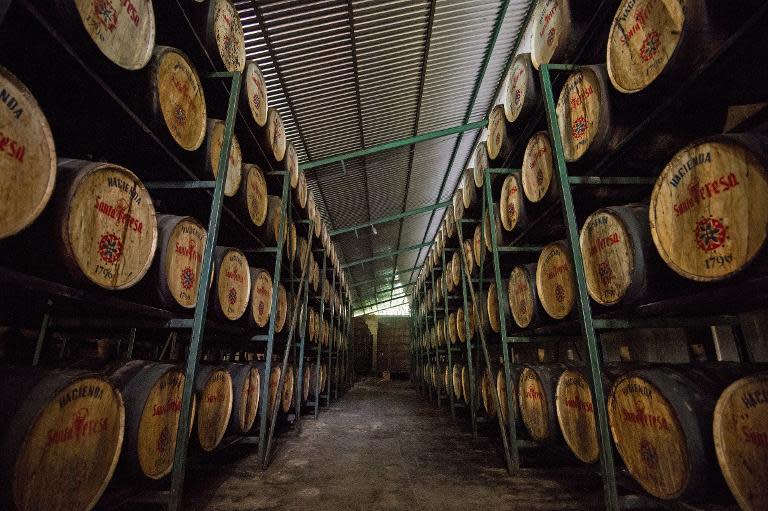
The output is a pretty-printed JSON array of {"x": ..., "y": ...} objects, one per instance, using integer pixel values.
[{"x": 383, "y": 447}]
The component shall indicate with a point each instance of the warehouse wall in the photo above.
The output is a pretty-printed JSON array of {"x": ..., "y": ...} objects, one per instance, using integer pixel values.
[{"x": 394, "y": 344}]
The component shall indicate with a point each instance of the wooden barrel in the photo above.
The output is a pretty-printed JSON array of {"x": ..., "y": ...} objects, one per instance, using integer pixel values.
[
  {"x": 290, "y": 246},
  {"x": 224, "y": 36},
  {"x": 456, "y": 380},
  {"x": 576, "y": 414},
  {"x": 615, "y": 244},
  {"x": 252, "y": 196},
  {"x": 282, "y": 308},
  {"x": 479, "y": 256},
  {"x": 302, "y": 246},
  {"x": 213, "y": 147},
  {"x": 487, "y": 389},
  {"x": 152, "y": 394},
  {"x": 522, "y": 97},
  {"x": 502, "y": 237},
  {"x": 450, "y": 224},
  {"x": 29, "y": 168},
  {"x": 456, "y": 268},
  {"x": 469, "y": 259},
  {"x": 453, "y": 333},
  {"x": 179, "y": 261},
  {"x": 246, "y": 382},
  {"x": 708, "y": 214},
  {"x": 480, "y": 162},
  {"x": 741, "y": 440},
  {"x": 492, "y": 308},
  {"x": 512, "y": 210},
  {"x": 557, "y": 29},
  {"x": 523, "y": 297},
  {"x": 288, "y": 389},
  {"x": 275, "y": 134},
  {"x": 303, "y": 191},
  {"x": 306, "y": 385},
  {"x": 254, "y": 93},
  {"x": 499, "y": 140},
  {"x": 55, "y": 422},
  {"x": 261, "y": 297},
  {"x": 123, "y": 31},
  {"x": 460, "y": 324},
  {"x": 323, "y": 375},
  {"x": 468, "y": 189},
  {"x": 590, "y": 122},
  {"x": 291, "y": 162},
  {"x": 661, "y": 420},
  {"x": 231, "y": 290},
  {"x": 501, "y": 392},
  {"x": 213, "y": 385},
  {"x": 536, "y": 395},
  {"x": 554, "y": 280},
  {"x": 312, "y": 325},
  {"x": 177, "y": 97},
  {"x": 538, "y": 172},
  {"x": 651, "y": 41},
  {"x": 105, "y": 224},
  {"x": 272, "y": 383},
  {"x": 458, "y": 204},
  {"x": 270, "y": 230}
]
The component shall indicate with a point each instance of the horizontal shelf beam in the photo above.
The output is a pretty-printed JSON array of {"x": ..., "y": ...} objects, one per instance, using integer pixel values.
[
  {"x": 394, "y": 144},
  {"x": 392, "y": 218},
  {"x": 385, "y": 255}
]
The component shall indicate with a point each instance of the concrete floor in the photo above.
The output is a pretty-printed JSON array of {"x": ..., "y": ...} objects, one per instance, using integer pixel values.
[{"x": 385, "y": 447}]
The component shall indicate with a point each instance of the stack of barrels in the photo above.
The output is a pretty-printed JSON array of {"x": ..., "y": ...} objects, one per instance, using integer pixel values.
[
  {"x": 74, "y": 429},
  {"x": 705, "y": 220}
]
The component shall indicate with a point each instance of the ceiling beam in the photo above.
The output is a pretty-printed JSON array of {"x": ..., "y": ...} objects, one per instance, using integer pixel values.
[
  {"x": 384, "y": 255},
  {"x": 391, "y": 218},
  {"x": 394, "y": 144}
]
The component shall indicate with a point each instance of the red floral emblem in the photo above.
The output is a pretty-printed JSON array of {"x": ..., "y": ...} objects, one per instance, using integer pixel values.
[
  {"x": 105, "y": 13},
  {"x": 710, "y": 233},
  {"x": 110, "y": 248},
  {"x": 579, "y": 128},
  {"x": 650, "y": 46},
  {"x": 187, "y": 278}
]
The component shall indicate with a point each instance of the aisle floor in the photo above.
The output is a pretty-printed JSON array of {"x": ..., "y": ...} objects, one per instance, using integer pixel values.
[{"x": 385, "y": 447}]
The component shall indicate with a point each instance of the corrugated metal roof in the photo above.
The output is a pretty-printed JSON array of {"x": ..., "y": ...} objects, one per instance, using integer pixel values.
[{"x": 350, "y": 75}]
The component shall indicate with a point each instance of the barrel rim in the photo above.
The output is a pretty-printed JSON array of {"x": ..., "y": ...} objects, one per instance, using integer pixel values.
[{"x": 50, "y": 145}]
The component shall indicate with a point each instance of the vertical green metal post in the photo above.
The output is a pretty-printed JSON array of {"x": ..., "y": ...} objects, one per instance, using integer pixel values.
[
  {"x": 201, "y": 307},
  {"x": 429, "y": 344},
  {"x": 264, "y": 398},
  {"x": 448, "y": 347},
  {"x": 437, "y": 344},
  {"x": 501, "y": 293},
  {"x": 302, "y": 345},
  {"x": 467, "y": 330},
  {"x": 319, "y": 341},
  {"x": 585, "y": 308},
  {"x": 329, "y": 377},
  {"x": 337, "y": 340}
]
